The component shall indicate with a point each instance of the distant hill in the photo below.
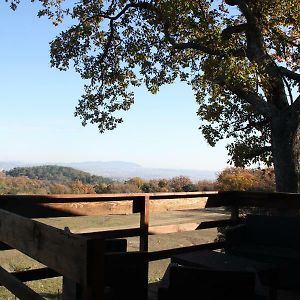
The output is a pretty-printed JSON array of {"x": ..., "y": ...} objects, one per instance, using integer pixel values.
[
  {"x": 57, "y": 174},
  {"x": 121, "y": 170},
  {"x": 125, "y": 170},
  {"x": 7, "y": 165}
]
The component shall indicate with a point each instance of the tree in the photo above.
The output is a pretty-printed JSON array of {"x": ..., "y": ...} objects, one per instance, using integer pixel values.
[
  {"x": 182, "y": 184},
  {"x": 241, "y": 58},
  {"x": 239, "y": 179}
]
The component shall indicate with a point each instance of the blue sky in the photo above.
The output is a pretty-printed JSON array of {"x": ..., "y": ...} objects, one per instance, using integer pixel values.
[{"x": 37, "y": 106}]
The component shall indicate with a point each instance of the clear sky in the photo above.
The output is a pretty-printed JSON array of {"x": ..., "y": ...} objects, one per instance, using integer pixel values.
[{"x": 37, "y": 107}]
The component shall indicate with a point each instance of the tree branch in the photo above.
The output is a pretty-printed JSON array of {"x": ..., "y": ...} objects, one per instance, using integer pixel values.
[
  {"x": 257, "y": 152},
  {"x": 200, "y": 46},
  {"x": 232, "y": 2},
  {"x": 230, "y": 30},
  {"x": 296, "y": 104},
  {"x": 249, "y": 96},
  {"x": 290, "y": 74}
]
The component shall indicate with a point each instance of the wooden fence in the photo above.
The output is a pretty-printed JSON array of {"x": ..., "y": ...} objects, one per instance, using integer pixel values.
[{"x": 81, "y": 258}]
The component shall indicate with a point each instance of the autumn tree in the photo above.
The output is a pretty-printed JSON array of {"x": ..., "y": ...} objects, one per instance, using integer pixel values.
[
  {"x": 240, "y": 57},
  {"x": 239, "y": 179}
]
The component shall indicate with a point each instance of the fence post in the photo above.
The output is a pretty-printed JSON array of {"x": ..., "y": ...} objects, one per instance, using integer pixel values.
[
  {"x": 144, "y": 223},
  {"x": 234, "y": 213},
  {"x": 93, "y": 270}
]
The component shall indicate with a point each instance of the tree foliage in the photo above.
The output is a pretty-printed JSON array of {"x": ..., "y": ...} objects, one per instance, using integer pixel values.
[
  {"x": 238, "y": 179},
  {"x": 239, "y": 56},
  {"x": 57, "y": 174}
]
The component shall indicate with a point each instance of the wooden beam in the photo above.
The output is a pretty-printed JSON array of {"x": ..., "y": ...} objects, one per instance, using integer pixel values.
[
  {"x": 261, "y": 199},
  {"x": 163, "y": 254},
  {"x": 118, "y": 233},
  {"x": 173, "y": 228},
  {"x": 59, "y": 250},
  {"x": 17, "y": 287},
  {"x": 40, "y": 206},
  {"x": 35, "y": 274},
  {"x": 3, "y": 246}
]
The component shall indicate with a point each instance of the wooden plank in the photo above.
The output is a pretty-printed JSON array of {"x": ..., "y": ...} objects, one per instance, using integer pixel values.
[
  {"x": 61, "y": 251},
  {"x": 118, "y": 233},
  {"x": 38, "y": 206},
  {"x": 3, "y": 246},
  {"x": 35, "y": 274},
  {"x": 163, "y": 254},
  {"x": 17, "y": 287},
  {"x": 262, "y": 199},
  {"x": 41, "y": 206},
  {"x": 173, "y": 228},
  {"x": 35, "y": 206}
]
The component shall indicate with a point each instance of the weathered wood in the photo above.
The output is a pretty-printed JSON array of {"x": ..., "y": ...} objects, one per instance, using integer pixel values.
[
  {"x": 53, "y": 247},
  {"x": 93, "y": 289},
  {"x": 117, "y": 233},
  {"x": 144, "y": 224},
  {"x": 95, "y": 270},
  {"x": 235, "y": 211},
  {"x": 35, "y": 274},
  {"x": 163, "y": 254},
  {"x": 41, "y": 206},
  {"x": 261, "y": 199},
  {"x": 3, "y": 246},
  {"x": 17, "y": 287},
  {"x": 127, "y": 275},
  {"x": 173, "y": 228}
]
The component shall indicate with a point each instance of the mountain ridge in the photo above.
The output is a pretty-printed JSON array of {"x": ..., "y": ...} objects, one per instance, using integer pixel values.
[{"x": 121, "y": 170}]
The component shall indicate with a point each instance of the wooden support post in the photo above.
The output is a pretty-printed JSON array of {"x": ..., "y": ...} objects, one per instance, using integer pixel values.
[
  {"x": 144, "y": 223},
  {"x": 234, "y": 213},
  {"x": 94, "y": 287}
]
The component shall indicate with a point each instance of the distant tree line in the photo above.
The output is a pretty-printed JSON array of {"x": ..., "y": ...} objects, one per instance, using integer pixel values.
[
  {"x": 57, "y": 174},
  {"x": 64, "y": 180}
]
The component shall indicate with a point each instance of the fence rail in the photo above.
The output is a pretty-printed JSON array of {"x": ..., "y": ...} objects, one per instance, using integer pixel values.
[{"x": 81, "y": 258}]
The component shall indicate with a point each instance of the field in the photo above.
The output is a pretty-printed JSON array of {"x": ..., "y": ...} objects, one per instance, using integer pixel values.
[{"x": 13, "y": 260}]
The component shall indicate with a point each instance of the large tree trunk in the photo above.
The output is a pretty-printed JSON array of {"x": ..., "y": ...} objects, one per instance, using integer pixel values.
[{"x": 285, "y": 129}]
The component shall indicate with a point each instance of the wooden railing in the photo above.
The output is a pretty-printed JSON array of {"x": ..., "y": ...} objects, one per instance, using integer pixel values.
[{"x": 81, "y": 258}]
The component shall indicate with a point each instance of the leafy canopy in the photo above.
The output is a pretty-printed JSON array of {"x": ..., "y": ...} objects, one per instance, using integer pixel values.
[{"x": 240, "y": 57}]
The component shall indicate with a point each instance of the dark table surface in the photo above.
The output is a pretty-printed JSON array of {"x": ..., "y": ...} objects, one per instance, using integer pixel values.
[{"x": 227, "y": 262}]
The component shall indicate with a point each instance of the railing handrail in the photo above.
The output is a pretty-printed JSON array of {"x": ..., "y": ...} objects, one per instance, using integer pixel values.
[{"x": 83, "y": 272}]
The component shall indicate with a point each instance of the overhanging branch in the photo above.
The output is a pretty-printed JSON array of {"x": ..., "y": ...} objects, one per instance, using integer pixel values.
[
  {"x": 296, "y": 105},
  {"x": 230, "y": 30},
  {"x": 290, "y": 74},
  {"x": 257, "y": 102},
  {"x": 196, "y": 45},
  {"x": 257, "y": 152}
]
